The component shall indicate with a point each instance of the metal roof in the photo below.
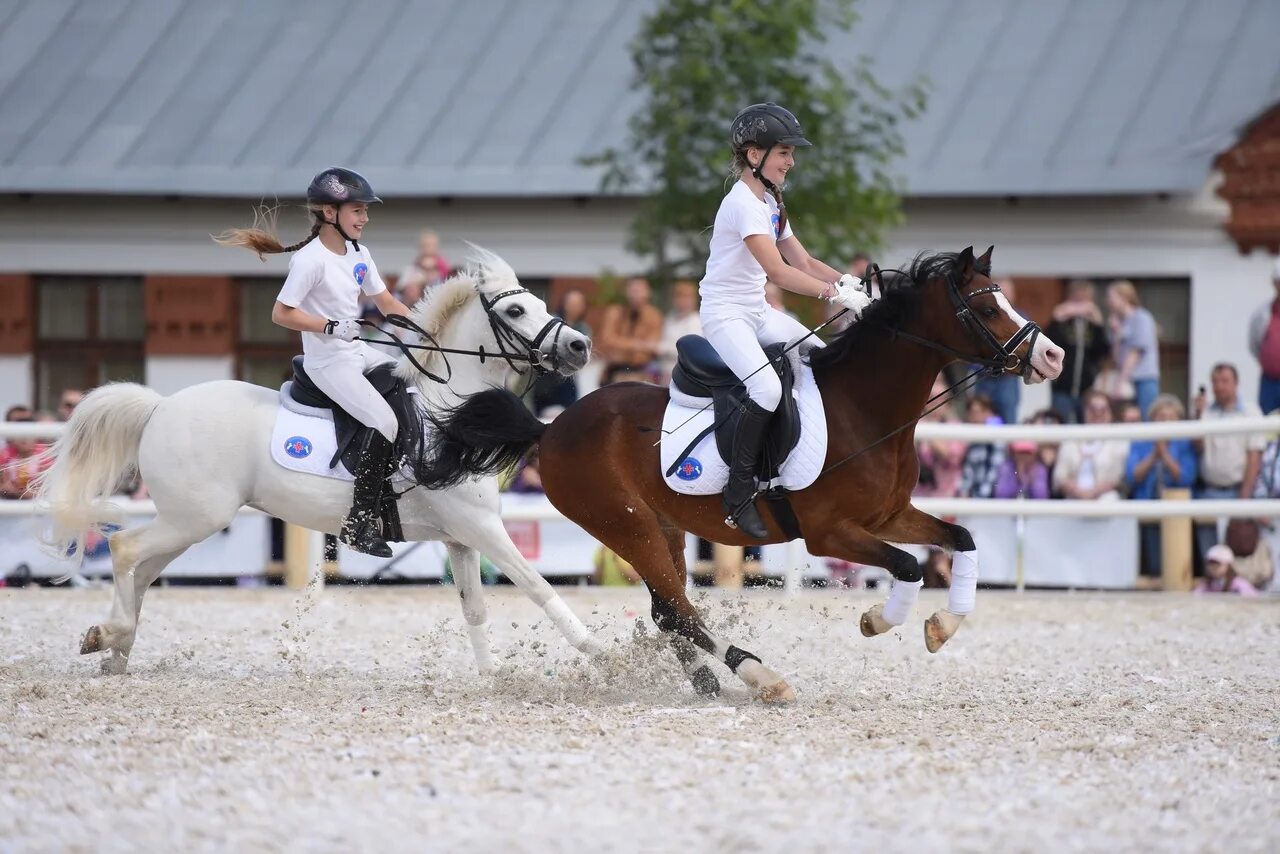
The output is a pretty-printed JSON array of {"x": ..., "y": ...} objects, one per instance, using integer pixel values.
[{"x": 501, "y": 97}]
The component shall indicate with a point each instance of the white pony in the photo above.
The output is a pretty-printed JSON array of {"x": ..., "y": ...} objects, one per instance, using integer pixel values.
[{"x": 204, "y": 453}]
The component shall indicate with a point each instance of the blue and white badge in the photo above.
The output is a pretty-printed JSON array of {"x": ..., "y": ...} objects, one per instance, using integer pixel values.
[
  {"x": 690, "y": 469},
  {"x": 298, "y": 447},
  {"x": 360, "y": 271}
]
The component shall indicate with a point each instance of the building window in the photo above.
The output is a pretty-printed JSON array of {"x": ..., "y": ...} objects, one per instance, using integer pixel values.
[
  {"x": 263, "y": 350},
  {"x": 90, "y": 330}
]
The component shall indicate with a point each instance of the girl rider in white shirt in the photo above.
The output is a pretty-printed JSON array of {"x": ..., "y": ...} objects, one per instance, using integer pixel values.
[
  {"x": 321, "y": 299},
  {"x": 751, "y": 243}
]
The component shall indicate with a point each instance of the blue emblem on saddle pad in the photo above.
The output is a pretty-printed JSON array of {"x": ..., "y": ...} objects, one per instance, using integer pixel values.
[
  {"x": 690, "y": 469},
  {"x": 298, "y": 447},
  {"x": 360, "y": 271}
]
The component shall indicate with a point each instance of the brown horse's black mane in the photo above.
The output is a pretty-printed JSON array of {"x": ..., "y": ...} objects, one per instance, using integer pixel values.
[{"x": 896, "y": 308}]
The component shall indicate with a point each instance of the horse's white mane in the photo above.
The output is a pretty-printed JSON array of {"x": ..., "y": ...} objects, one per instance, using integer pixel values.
[{"x": 484, "y": 271}]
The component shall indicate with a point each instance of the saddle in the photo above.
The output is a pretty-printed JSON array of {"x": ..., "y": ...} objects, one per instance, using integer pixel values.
[
  {"x": 700, "y": 372},
  {"x": 347, "y": 429}
]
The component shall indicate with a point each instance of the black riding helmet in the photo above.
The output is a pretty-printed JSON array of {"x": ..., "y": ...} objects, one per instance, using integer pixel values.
[
  {"x": 338, "y": 186},
  {"x": 765, "y": 126}
]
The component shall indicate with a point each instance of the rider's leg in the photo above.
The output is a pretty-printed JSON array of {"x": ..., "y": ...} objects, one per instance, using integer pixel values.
[
  {"x": 345, "y": 384},
  {"x": 735, "y": 341}
]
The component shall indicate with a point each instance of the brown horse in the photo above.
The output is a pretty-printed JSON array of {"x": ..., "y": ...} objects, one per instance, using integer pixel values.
[{"x": 600, "y": 466}]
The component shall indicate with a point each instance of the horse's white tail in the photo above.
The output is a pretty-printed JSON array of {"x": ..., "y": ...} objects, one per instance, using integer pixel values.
[{"x": 94, "y": 456}]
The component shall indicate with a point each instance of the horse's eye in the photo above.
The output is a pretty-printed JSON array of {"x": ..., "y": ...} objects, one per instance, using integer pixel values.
[
  {"x": 989, "y": 313},
  {"x": 514, "y": 312}
]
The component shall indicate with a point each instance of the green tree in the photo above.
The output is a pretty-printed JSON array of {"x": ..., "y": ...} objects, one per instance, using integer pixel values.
[{"x": 700, "y": 62}]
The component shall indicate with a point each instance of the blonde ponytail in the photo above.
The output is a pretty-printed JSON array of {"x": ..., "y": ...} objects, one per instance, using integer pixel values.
[{"x": 261, "y": 236}]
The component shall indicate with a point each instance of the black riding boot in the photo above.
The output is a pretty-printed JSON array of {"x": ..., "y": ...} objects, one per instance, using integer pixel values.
[
  {"x": 747, "y": 439},
  {"x": 360, "y": 528}
]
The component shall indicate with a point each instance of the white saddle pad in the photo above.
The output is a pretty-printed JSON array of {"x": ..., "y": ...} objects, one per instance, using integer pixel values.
[
  {"x": 303, "y": 439},
  {"x": 704, "y": 472}
]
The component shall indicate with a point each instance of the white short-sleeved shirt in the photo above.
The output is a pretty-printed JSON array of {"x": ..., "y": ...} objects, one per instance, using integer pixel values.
[
  {"x": 329, "y": 285},
  {"x": 734, "y": 279}
]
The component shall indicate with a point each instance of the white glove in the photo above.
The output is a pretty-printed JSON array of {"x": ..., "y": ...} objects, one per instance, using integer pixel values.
[
  {"x": 849, "y": 293},
  {"x": 347, "y": 330}
]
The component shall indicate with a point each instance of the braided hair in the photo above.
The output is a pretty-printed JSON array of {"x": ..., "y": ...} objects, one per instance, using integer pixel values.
[{"x": 261, "y": 237}]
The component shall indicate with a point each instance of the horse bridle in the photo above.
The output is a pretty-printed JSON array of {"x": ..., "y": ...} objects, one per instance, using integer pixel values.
[
  {"x": 1003, "y": 359},
  {"x": 505, "y": 334}
]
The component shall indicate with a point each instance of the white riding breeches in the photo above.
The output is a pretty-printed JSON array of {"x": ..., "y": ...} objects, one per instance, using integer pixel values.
[
  {"x": 344, "y": 382},
  {"x": 740, "y": 340}
]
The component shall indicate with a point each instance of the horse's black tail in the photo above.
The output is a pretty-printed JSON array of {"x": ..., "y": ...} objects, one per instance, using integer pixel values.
[{"x": 489, "y": 432}]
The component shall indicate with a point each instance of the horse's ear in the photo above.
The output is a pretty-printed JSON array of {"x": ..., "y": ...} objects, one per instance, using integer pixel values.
[
  {"x": 985, "y": 257},
  {"x": 965, "y": 263}
]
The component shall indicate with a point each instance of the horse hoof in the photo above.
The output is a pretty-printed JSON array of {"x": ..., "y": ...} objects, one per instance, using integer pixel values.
[
  {"x": 873, "y": 622},
  {"x": 92, "y": 641},
  {"x": 939, "y": 628},
  {"x": 777, "y": 694},
  {"x": 115, "y": 664},
  {"x": 705, "y": 682}
]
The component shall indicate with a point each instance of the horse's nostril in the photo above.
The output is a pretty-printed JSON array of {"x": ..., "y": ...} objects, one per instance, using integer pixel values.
[{"x": 578, "y": 346}]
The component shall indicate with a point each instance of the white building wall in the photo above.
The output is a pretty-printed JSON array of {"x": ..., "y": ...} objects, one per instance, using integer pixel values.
[
  {"x": 1095, "y": 237},
  {"x": 15, "y": 382},
  {"x": 167, "y": 374}
]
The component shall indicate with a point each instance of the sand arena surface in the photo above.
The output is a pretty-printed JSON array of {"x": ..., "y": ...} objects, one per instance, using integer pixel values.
[{"x": 255, "y": 719}]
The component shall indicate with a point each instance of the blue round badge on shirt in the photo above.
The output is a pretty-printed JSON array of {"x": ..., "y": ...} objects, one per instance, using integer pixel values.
[
  {"x": 298, "y": 447},
  {"x": 690, "y": 469},
  {"x": 360, "y": 271},
  {"x": 776, "y": 220}
]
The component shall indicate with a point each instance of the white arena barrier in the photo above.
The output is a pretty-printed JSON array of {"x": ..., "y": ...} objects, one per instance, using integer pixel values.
[{"x": 1066, "y": 543}]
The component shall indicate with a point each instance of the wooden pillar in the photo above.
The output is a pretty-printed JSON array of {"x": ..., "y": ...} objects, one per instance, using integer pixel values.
[
  {"x": 303, "y": 556},
  {"x": 728, "y": 565},
  {"x": 1176, "y": 545}
]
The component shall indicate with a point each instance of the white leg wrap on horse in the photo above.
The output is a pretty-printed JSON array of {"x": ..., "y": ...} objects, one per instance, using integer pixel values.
[
  {"x": 964, "y": 582},
  {"x": 480, "y": 644},
  {"x": 568, "y": 623},
  {"x": 902, "y": 598}
]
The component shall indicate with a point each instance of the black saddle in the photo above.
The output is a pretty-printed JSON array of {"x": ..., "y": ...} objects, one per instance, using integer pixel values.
[
  {"x": 700, "y": 372},
  {"x": 347, "y": 428}
]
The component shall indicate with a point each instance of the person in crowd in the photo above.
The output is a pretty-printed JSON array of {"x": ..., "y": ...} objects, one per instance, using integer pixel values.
[
  {"x": 982, "y": 460},
  {"x": 20, "y": 459},
  {"x": 1154, "y": 466},
  {"x": 429, "y": 268},
  {"x": 630, "y": 334},
  {"x": 1220, "y": 575},
  {"x": 1078, "y": 329},
  {"x": 1255, "y": 561},
  {"x": 527, "y": 478},
  {"x": 68, "y": 401},
  {"x": 553, "y": 391},
  {"x": 1135, "y": 346},
  {"x": 940, "y": 459},
  {"x": 682, "y": 320},
  {"x": 612, "y": 571},
  {"x": 1092, "y": 468},
  {"x": 1128, "y": 412},
  {"x": 1004, "y": 390},
  {"x": 1023, "y": 475},
  {"x": 1048, "y": 451},
  {"x": 1229, "y": 464},
  {"x": 1264, "y": 342}
]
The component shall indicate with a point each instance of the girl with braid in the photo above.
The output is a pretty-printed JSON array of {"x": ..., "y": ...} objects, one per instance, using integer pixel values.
[
  {"x": 752, "y": 243},
  {"x": 320, "y": 299}
]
